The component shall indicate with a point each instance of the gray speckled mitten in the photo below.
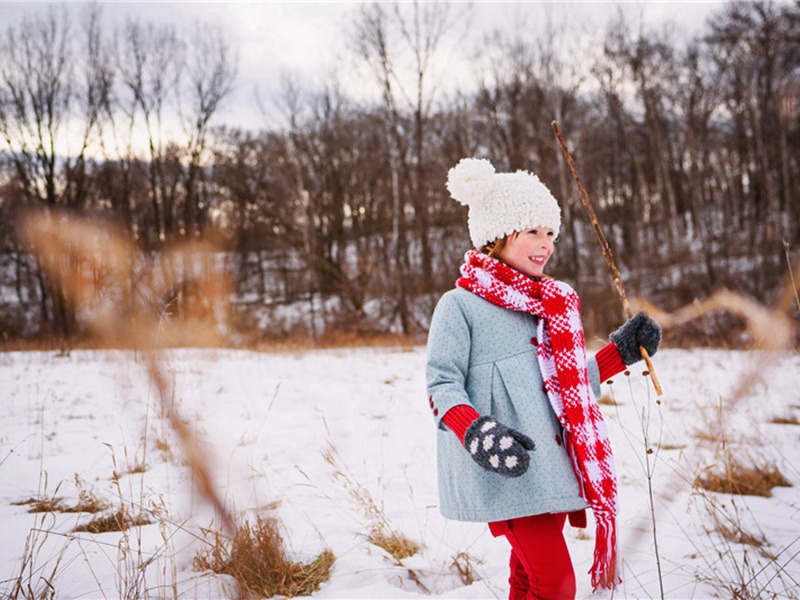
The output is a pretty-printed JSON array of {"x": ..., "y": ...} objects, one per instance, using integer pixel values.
[
  {"x": 498, "y": 448},
  {"x": 639, "y": 330}
]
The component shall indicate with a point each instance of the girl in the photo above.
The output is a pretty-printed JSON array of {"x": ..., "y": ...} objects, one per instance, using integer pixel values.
[{"x": 521, "y": 440}]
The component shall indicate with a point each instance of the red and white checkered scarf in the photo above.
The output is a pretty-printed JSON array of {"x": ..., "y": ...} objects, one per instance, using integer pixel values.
[{"x": 562, "y": 360}]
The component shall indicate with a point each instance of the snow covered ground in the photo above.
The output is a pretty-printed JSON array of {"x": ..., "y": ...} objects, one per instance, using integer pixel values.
[{"x": 266, "y": 420}]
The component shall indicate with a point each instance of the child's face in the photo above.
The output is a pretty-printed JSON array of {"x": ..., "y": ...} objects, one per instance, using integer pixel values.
[{"x": 529, "y": 251}]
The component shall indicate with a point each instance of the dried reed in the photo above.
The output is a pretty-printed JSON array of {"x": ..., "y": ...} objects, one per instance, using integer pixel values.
[{"x": 124, "y": 300}]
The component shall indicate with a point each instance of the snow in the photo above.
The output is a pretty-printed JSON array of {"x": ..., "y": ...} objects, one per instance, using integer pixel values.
[{"x": 266, "y": 419}]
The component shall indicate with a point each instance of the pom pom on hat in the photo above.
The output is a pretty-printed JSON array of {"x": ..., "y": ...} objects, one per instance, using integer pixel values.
[
  {"x": 501, "y": 203},
  {"x": 470, "y": 179}
]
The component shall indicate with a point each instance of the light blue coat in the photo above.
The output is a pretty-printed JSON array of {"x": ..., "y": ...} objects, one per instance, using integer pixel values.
[{"x": 485, "y": 356}]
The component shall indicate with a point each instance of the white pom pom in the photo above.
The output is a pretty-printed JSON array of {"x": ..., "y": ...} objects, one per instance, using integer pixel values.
[{"x": 470, "y": 180}]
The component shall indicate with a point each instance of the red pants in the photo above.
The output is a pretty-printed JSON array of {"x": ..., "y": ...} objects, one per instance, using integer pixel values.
[{"x": 540, "y": 565}]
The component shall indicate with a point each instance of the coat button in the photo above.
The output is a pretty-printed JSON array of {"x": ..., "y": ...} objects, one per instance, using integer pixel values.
[
  {"x": 430, "y": 401},
  {"x": 558, "y": 439},
  {"x": 534, "y": 341},
  {"x": 435, "y": 412}
]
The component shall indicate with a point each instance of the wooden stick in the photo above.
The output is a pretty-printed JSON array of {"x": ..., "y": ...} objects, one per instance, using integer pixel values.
[{"x": 607, "y": 254}]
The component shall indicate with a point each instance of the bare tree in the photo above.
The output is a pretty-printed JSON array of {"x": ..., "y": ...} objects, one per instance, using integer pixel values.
[
  {"x": 385, "y": 34},
  {"x": 37, "y": 94},
  {"x": 52, "y": 92},
  {"x": 148, "y": 61},
  {"x": 647, "y": 57},
  {"x": 211, "y": 71}
]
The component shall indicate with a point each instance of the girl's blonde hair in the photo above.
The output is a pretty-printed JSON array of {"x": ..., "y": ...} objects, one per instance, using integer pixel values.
[{"x": 493, "y": 249}]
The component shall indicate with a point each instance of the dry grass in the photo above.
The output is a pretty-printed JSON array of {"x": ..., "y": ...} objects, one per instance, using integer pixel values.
[
  {"x": 785, "y": 421},
  {"x": 739, "y": 478},
  {"x": 739, "y": 536},
  {"x": 671, "y": 446},
  {"x": 88, "y": 501},
  {"x": 36, "y": 572},
  {"x": 121, "y": 520},
  {"x": 728, "y": 523},
  {"x": 134, "y": 469},
  {"x": 396, "y": 544},
  {"x": 745, "y": 565},
  {"x": 715, "y": 434},
  {"x": 256, "y": 559},
  {"x": 607, "y": 400},
  {"x": 463, "y": 565},
  {"x": 381, "y": 533},
  {"x": 333, "y": 338},
  {"x": 295, "y": 342},
  {"x": 42, "y": 505}
]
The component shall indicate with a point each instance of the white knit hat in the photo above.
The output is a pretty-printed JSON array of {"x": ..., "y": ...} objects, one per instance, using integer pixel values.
[{"x": 501, "y": 203}]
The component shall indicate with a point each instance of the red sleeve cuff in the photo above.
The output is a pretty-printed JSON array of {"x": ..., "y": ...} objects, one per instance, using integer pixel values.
[
  {"x": 459, "y": 418},
  {"x": 609, "y": 362}
]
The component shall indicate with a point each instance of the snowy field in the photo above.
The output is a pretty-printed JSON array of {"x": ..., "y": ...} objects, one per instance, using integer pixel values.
[{"x": 91, "y": 422}]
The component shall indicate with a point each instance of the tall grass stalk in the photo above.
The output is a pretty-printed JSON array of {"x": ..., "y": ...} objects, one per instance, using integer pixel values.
[
  {"x": 36, "y": 574},
  {"x": 648, "y": 456},
  {"x": 381, "y": 532}
]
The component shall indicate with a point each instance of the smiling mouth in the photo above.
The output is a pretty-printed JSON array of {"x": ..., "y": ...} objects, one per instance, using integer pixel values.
[{"x": 539, "y": 259}]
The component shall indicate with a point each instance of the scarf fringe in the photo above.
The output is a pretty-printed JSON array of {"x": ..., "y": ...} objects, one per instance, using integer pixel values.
[{"x": 604, "y": 568}]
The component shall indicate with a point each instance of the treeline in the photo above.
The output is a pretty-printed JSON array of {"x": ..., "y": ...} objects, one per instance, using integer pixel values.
[{"x": 340, "y": 220}]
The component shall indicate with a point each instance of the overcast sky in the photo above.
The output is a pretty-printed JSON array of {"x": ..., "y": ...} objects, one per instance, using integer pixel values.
[{"x": 309, "y": 39}]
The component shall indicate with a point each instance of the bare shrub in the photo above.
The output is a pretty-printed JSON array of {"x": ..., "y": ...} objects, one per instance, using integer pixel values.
[{"x": 256, "y": 559}]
